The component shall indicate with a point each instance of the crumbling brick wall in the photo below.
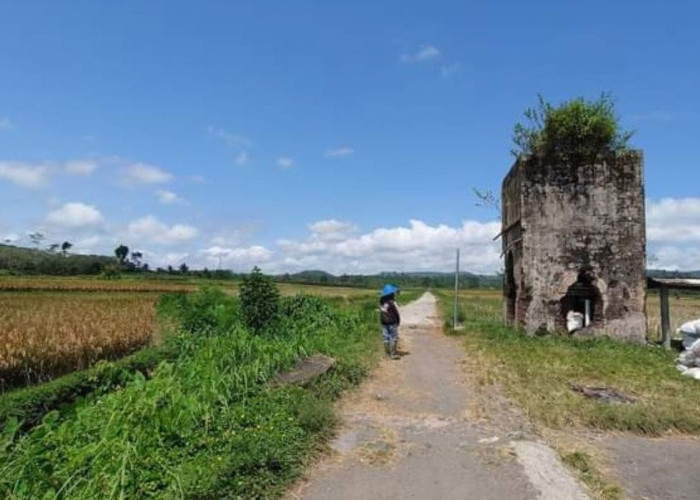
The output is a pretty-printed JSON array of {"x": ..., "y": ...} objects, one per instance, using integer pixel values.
[{"x": 564, "y": 221}]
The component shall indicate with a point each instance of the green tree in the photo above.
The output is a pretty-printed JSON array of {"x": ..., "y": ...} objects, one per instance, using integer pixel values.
[
  {"x": 136, "y": 259},
  {"x": 260, "y": 301},
  {"x": 184, "y": 268},
  {"x": 67, "y": 245},
  {"x": 122, "y": 251}
]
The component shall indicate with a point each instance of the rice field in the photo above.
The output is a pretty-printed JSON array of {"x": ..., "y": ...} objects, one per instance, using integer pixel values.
[
  {"x": 50, "y": 326},
  {"x": 45, "y": 334},
  {"x": 82, "y": 284}
]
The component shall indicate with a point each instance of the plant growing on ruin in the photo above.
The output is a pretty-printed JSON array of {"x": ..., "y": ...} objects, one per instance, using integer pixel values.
[{"x": 577, "y": 130}]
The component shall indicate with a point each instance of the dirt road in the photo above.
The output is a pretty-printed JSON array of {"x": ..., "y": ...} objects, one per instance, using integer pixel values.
[{"x": 411, "y": 432}]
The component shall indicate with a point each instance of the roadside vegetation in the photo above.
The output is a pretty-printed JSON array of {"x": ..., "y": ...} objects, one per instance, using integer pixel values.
[
  {"x": 205, "y": 421},
  {"x": 537, "y": 372}
]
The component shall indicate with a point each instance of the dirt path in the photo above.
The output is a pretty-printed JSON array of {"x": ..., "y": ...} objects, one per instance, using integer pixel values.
[{"x": 410, "y": 432}]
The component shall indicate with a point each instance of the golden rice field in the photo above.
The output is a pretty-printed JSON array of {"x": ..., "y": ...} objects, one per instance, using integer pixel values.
[
  {"x": 81, "y": 284},
  {"x": 45, "y": 334}
]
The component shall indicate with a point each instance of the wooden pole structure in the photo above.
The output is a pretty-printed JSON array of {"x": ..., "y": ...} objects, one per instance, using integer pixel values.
[{"x": 665, "y": 318}]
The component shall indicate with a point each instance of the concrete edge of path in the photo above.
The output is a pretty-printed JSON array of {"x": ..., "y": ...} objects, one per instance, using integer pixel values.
[{"x": 546, "y": 473}]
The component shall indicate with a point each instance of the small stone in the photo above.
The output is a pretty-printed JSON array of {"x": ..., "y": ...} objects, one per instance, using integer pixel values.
[{"x": 490, "y": 440}]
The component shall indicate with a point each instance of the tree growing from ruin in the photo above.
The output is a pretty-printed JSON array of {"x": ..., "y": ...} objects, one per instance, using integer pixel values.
[{"x": 577, "y": 130}]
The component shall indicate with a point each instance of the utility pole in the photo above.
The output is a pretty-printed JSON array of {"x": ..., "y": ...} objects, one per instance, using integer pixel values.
[{"x": 456, "y": 308}]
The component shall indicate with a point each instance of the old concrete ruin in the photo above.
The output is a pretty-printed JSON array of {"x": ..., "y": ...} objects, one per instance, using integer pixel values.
[{"x": 574, "y": 240}]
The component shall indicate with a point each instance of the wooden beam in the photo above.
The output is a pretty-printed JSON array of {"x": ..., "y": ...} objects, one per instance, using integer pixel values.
[
  {"x": 507, "y": 228},
  {"x": 665, "y": 318}
]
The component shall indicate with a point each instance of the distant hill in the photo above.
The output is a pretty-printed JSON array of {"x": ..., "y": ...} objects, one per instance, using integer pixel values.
[
  {"x": 661, "y": 273},
  {"x": 408, "y": 279},
  {"x": 20, "y": 260}
]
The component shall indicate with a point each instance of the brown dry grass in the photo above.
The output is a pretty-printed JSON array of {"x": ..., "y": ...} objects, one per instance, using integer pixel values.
[{"x": 45, "y": 334}]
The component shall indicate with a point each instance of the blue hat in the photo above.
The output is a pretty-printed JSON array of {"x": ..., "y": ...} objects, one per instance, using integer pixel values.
[{"x": 389, "y": 289}]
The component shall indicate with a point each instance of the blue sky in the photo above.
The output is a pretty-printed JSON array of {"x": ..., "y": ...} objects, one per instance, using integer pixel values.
[{"x": 341, "y": 136}]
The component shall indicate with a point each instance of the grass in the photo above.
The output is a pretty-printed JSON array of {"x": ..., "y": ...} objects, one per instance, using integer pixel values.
[
  {"x": 537, "y": 373},
  {"x": 588, "y": 471},
  {"x": 206, "y": 425}
]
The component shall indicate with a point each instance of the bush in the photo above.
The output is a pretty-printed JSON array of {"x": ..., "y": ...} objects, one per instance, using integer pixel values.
[
  {"x": 201, "y": 312},
  {"x": 300, "y": 307},
  {"x": 577, "y": 130},
  {"x": 260, "y": 301}
]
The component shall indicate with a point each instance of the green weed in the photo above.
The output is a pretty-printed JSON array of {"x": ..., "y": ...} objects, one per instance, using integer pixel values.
[{"x": 205, "y": 424}]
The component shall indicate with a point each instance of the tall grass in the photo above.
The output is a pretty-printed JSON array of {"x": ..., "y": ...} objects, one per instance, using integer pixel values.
[{"x": 208, "y": 424}]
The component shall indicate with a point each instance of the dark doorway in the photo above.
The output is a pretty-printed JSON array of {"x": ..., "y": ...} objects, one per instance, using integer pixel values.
[{"x": 582, "y": 297}]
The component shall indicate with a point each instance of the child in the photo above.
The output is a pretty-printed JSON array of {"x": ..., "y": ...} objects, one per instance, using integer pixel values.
[{"x": 390, "y": 319}]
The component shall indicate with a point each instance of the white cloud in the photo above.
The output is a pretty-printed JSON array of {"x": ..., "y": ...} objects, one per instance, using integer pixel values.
[
  {"x": 9, "y": 238},
  {"x": 418, "y": 247},
  {"x": 284, "y": 162},
  {"x": 24, "y": 174},
  {"x": 339, "y": 153},
  {"x": 242, "y": 158},
  {"x": 86, "y": 245},
  {"x": 674, "y": 258},
  {"x": 6, "y": 124},
  {"x": 425, "y": 53},
  {"x": 150, "y": 229},
  {"x": 141, "y": 173},
  {"x": 197, "y": 179},
  {"x": 168, "y": 197},
  {"x": 80, "y": 167},
  {"x": 673, "y": 220},
  {"x": 331, "y": 230},
  {"x": 172, "y": 259},
  {"x": 240, "y": 258},
  {"x": 75, "y": 215},
  {"x": 233, "y": 140},
  {"x": 450, "y": 69}
]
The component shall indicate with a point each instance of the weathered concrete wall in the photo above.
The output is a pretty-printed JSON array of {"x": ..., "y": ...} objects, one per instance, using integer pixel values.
[{"x": 574, "y": 219}]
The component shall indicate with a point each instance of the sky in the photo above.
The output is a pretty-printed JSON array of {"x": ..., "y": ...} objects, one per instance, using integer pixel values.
[{"x": 342, "y": 136}]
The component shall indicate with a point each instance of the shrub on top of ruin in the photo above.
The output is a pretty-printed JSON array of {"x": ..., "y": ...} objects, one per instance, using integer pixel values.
[{"x": 576, "y": 130}]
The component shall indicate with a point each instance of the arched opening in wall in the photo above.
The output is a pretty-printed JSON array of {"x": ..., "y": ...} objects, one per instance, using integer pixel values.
[
  {"x": 581, "y": 307},
  {"x": 511, "y": 291}
]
